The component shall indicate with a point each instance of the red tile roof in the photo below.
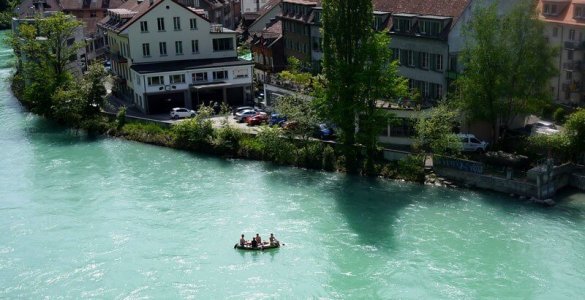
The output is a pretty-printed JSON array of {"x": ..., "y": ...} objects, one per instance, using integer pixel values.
[
  {"x": 444, "y": 8},
  {"x": 566, "y": 12},
  {"x": 140, "y": 9}
]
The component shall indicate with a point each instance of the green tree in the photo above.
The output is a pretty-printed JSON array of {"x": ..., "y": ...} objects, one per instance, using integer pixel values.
[
  {"x": 380, "y": 80},
  {"x": 507, "y": 64},
  {"x": 575, "y": 131},
  {"x": 94, "y": 90},
  {"x": 434, "y": 131},
  {"x": 59, "y": 30},
  {"x": 358, "y": 73},
  {"x": 299, "y": 110}
]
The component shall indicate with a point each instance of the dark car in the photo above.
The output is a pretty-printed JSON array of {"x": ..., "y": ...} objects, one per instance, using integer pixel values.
[
  {"x": 276, "y": 119},
  {"x": 324, "y": 132}
]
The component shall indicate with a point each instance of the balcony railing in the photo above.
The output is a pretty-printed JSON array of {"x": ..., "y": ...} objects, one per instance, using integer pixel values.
[
  {"x": 574, "y": 66},
  {"x": 574, "y": 45}
]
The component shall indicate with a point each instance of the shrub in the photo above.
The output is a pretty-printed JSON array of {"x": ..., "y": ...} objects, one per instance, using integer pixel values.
[
  {"x": 310, "y": 156},
  {"x": 227, "y": 139},
  {"x": 328, "y": 158},
  {"x": 195, "y": 134},
  {"x": 121, "y": 117},
  {"x": 559, "y": 115},
  {"x": 148, "y": 133},
  {"x": 411, "y": 168},
  {"x": 250, "y": 147}
]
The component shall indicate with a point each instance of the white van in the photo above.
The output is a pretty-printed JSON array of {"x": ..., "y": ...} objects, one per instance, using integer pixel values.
[{"x": 471, "y": 143}]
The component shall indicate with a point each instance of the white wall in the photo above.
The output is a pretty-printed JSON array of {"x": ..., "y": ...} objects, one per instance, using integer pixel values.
[
  {"x": 153, "y": 36},
  {"x": 141, "y": 85},
  {"x": 261, "y": 22}
]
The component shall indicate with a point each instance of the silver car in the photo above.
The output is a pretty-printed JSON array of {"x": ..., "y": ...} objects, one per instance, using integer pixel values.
[{"x": 242, "y": 115}]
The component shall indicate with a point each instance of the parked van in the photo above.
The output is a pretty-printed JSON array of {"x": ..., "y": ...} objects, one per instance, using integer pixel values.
[{"x": 471, "y": 143}]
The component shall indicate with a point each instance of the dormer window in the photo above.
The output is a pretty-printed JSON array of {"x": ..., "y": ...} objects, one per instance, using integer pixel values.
[
  {"x": 579, "y": 12},
  {"x": 429, "y": 28},
  {"x": 550, "y": 9},
  {"x": 402, "y": 25}
]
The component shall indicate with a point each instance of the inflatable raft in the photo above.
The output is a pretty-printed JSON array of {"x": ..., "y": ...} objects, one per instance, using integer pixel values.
[{"x": 264, "y": 246}]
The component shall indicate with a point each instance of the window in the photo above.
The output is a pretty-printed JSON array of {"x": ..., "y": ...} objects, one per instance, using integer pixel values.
[
  {"x": 240, "y": 73},
  {"x": 555, "y": 32},
  {"x": 430, "y": 28},
  {"x": 572, "y": 34},
  {"x": 179, "y": 48},
  {"x": 579, "y": 12},
  {"x": 143, "y": 26},
  {"x": 569, "y": 54},
  {"x": 180, "y": 78},
  {"x": 161, "y": 24},
  {"x": 402, "y": 25},
  {"x": 177, "y": 23},
  {"x": 223, "y": 44},
  {"x": 218, "y": 75},
  {"x": 145, "y": 49},
  {"x": 156, "y": 80},
  {"x": 92, "y": 14},
  {"x": 195, "y": 46},
  {"x": 198, "y": 77},
  {"x": 550, "y": 9},
  {"x": 569, "y": 75},
  {"x": 410, "y": 55},
  {"x": 162, "y": 48},
  {"x": 193, "y": 23},
  {"x": 439, "y": 62},
  {"x": 424, "y": 60}
]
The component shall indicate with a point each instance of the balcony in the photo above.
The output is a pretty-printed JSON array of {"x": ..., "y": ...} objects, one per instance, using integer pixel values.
[
  {"x": 574, "y": 66},
  {"x": 573, "y": 86},
  {"x": 574, "y": 45}
]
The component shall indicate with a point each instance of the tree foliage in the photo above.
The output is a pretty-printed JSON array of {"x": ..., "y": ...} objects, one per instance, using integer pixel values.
[
  {"x": 434, "y": 132},
  {"x": 359, "y": 72},
  {"x": 575, "y": 131},
  {"x": 301, "y": 111},
  {"x": 507, "y": 64}
]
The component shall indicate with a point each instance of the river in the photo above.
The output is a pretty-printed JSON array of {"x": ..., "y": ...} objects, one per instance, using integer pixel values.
[{"x": 110, "y": 219}]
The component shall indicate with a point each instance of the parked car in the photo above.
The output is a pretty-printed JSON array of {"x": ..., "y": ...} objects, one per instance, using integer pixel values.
[
  {"x": 242, "y": 115},
  {"x": 276, "y": 119},
  {"x": 324, "y": 132},
  {"x": 181, "y": 112},
  {"x": 471, "y": 143},
  {"x": 290, "y": 125},
  {"x": 544, "y": 127},
  {"x": 242, "y": 108},
  {"x": 257, "y": 119}
]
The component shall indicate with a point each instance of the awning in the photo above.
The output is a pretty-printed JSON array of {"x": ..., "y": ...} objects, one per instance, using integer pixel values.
[{"x": 211, "y": 85}]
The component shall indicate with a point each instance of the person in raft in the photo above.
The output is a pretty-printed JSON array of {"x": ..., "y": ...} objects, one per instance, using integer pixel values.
[
  {"x": 273, "y": 240},
  {"x": 243, "y": 241},
  {"x": 254, "y": 243},
  {"x": 258, "y": 239}
]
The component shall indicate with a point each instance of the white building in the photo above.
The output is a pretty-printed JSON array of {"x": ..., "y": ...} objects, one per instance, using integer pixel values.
[{"x": 165, "y": 54}]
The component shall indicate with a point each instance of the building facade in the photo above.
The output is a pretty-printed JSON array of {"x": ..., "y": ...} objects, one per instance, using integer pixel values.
[
  {"x": 565, "y": 30},
  {"x": 165, "y": 54}
]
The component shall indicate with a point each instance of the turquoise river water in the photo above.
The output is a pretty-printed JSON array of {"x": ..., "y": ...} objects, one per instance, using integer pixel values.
[{"x": 111, "y": 219}]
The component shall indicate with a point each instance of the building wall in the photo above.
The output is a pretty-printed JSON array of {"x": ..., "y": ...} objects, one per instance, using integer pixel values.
[
  {"x": 153, "y": 37},
  {"x": 261, "y": 22}
]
